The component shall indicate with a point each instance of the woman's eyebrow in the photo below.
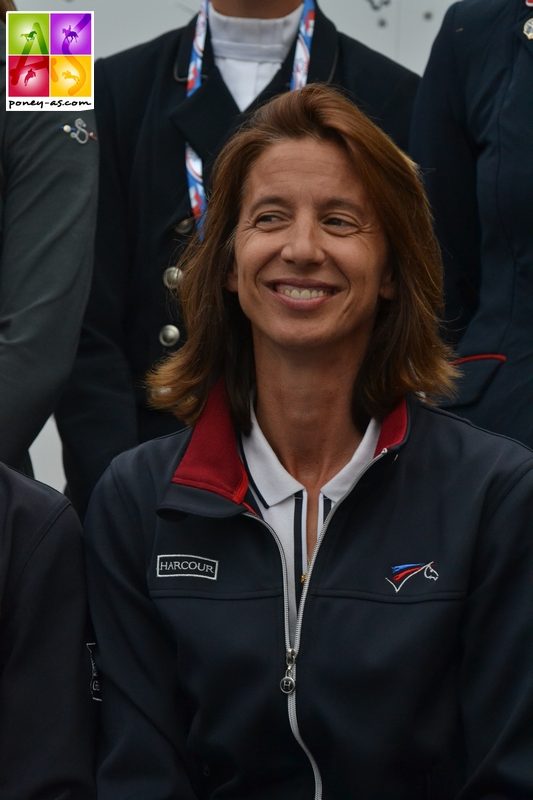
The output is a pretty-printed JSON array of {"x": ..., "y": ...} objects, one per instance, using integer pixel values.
[
  {"x": 270, "y": 199},
  {"x": 341, "y": 203}
]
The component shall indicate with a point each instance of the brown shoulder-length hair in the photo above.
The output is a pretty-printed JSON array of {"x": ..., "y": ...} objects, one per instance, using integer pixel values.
[
  {"x": 6, "y": 5},
  {"x": 405, "y": 353}
]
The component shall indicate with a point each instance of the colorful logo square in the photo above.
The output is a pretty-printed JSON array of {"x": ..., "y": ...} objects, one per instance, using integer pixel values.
[
  {"x": 28, "y": 33},
  {"x": 28, "y": 76},
  {"x": 49, "y": 60},
  {"x": 71, "y": 34},
  {"x": 71, "y": 76}
]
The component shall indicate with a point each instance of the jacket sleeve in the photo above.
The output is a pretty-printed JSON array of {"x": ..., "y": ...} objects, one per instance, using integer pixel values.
[
  {"x": 497, "y": 643},
  {"x": 442, "y": 144},
  {"x": 47, "y": 717},
  {"x": 382, "y": 88},
  {"x": 142, "y": 752},
  {"x": 49, "y": 208},
  {"x": 97, "y": 416}
]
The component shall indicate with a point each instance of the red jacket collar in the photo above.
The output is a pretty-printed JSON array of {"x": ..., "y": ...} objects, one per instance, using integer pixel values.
[
  {"x": 212, "y": 460},
  {"x": 394, "y": 428}
]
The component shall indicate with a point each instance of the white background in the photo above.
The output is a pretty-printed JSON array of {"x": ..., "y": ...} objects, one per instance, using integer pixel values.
[{"x": 401, "y": 29}]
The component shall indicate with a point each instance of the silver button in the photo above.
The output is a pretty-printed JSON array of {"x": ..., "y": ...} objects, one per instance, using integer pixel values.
[
  {"x": 169, "y": 335},
  {"x": 184, "y": 226},
  {"x": 172, "y": 277}
]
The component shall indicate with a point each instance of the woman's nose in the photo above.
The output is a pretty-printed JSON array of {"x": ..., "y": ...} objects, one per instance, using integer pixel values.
[{"x": 303, "y": 245}]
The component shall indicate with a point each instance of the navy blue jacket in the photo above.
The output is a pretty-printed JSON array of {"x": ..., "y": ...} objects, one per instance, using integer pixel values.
[
  {"x": 144, "y": 119},
  {"x": 414, "y": 647},
  {"x": 472, "y": 135},
  {"x": 47, "y": 716}
]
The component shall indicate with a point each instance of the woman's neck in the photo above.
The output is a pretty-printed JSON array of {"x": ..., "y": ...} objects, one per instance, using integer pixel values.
[{"x": 306, "y": 413}]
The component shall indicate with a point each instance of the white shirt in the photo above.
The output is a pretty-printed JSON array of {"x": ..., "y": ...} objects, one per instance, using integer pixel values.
[
  {"x": 282, "y": 500},
  {"x": 249, "y": 52}
]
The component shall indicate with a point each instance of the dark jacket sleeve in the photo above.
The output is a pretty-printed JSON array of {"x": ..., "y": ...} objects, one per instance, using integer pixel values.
[
  {"x": 48, "y": 211},
  {"x": 497, "y": 646},
  {"x": 441, "y": 143},
  {"x": 47, "y": 717},
  {"x": 143, "y": 727},
  {"x": 97, "y": 417},
  {"x": 382, "y": 88}
]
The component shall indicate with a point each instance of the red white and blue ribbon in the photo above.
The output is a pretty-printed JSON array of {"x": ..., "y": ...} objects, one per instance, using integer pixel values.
[
  {"x": 300, "y": 71},
  {"x": 193, "y": 162},
  {"x": 302, "y": 55}
]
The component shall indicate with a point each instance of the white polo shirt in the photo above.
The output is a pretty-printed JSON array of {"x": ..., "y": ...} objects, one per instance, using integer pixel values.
[
  {"x": 282, "y": 500},
  {"x": 249, "y": 52}
]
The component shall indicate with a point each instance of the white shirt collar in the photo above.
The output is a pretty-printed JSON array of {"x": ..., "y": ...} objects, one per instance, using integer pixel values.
[
  {"x": 257, "y": 40},
  {"x": 275, "y": 484},
  {"x": 364, "y": 453},
  {"x": 272, "y": 480}
]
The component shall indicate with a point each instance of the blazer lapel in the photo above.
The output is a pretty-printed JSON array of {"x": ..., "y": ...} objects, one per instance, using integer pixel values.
[
  {"x": 206, "y": 117},
  {"x": 209, "y": 116},
  {"x": 324, "y": 50},
  {"x": 324, "y": 59}
]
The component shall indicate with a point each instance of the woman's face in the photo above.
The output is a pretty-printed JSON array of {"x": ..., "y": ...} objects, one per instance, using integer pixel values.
[{"x": 311, "y": 258}]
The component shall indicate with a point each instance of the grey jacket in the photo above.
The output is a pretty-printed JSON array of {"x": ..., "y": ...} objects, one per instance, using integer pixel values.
[{"x": 48, "y": 187}]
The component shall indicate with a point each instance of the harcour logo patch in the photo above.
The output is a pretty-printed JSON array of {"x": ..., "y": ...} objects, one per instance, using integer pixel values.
[{"x": 180, "y": 565}]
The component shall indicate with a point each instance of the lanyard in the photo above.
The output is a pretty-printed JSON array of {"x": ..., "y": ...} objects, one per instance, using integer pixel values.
[{"x": 300, "y": 71}]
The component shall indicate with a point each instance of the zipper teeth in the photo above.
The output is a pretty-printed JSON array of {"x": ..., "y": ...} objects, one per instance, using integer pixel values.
[
  {"x": 293, "y": 720},
  {"x": 299, "y": 619},
  {"x": 291, "y": 699},
  {"x": 288, "y": 645}
]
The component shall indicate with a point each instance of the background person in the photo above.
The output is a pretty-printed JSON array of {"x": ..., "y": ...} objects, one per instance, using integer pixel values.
[
  {"x": 300, "y": 596},
  {"x": 48, "y": 188},
  {"x": 145, "y": 118},
  {"x": 471, "y": 133},
  {"x": 47, "y": 720}
]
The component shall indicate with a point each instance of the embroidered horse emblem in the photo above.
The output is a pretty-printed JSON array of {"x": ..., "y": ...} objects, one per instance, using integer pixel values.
[{"x": 403, "y": 572}]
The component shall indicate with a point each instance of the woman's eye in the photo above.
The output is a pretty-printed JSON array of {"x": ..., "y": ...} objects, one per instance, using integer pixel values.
[
  {"x": 267, "y": 219},
  {"x": 339, "y": 222}
]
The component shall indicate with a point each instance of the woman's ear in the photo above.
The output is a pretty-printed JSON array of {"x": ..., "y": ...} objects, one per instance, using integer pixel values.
[
  {"x": 387, "y": 288},
  {"x": 231, "y": 278}
]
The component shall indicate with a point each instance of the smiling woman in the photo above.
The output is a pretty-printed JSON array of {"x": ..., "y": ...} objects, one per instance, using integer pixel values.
[
  {"x": 318, "y": 135},
  {"x": 292, "y": 598}
]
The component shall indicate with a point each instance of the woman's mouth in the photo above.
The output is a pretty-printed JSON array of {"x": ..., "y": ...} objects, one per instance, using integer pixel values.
[{"x": 302, "y": 292}]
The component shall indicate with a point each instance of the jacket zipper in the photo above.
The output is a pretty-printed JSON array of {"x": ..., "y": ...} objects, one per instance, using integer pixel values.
[
  {"x": 288, "y": 681},
  {"x": 299, "y": 619}
]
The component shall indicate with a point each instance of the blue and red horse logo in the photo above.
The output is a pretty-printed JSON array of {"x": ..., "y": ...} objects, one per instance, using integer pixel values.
[{"x": 403, "y": 572}]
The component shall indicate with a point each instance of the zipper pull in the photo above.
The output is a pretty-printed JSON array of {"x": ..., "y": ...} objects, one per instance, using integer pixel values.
[{"x": 288, "y": 684}]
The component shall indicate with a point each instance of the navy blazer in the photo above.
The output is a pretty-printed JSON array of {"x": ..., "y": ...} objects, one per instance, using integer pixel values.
[
  {"x": 47, "y": 715},
  {"x": 144, "y": 119},
  {"x": 472, "y": 134}
]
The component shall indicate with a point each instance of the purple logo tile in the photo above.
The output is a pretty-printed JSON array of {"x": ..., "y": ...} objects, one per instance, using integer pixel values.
[{"x": 70, "y": 34}]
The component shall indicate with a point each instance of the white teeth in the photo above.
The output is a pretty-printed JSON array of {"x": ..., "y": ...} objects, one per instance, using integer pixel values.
[{"x": 302, "y": 294}]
